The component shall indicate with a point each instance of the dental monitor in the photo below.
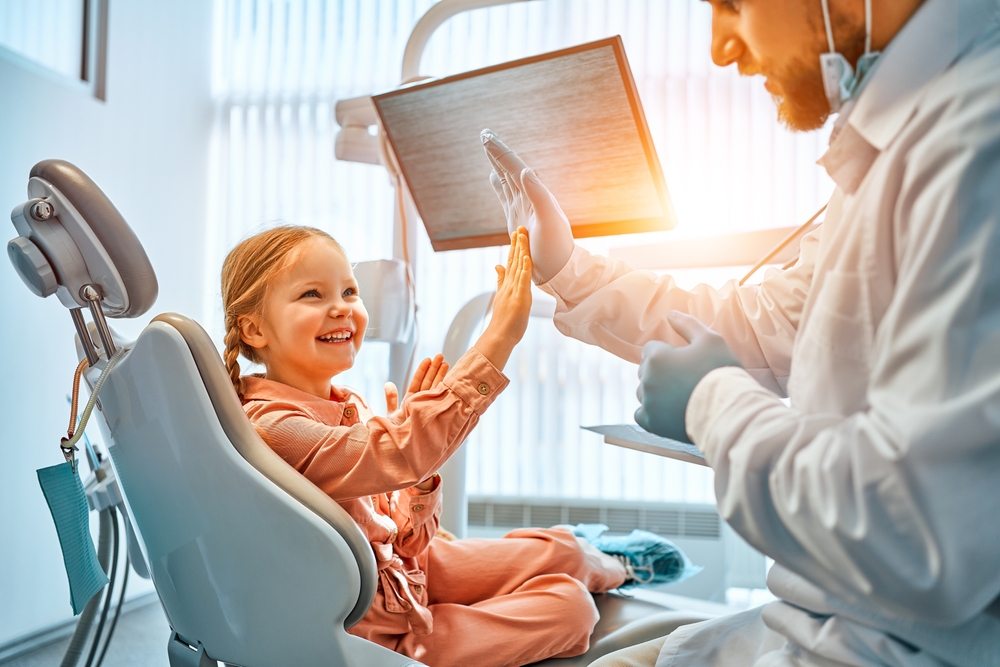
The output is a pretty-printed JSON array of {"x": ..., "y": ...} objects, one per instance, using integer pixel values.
[{"x": 573, "y": 115}]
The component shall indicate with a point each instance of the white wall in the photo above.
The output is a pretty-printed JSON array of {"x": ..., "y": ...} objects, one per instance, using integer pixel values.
[{"x": 147, "y": 147}]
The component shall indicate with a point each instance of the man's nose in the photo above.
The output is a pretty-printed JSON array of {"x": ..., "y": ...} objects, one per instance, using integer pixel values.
[{"x": 727, "y": 47}]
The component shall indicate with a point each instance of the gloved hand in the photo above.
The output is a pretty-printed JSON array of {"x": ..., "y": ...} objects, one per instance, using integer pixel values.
[
  {"x": 529, "y": 204},
  {"x": 668, "y": 374}
]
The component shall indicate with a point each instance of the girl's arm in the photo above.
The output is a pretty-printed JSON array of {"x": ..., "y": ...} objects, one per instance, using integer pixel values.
[
  {"x": 387, "y": 454},
  {"x": 384, "y": 454}
]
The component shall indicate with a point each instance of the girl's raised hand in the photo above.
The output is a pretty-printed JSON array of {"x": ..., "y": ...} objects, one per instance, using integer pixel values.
[
  {"x": 511, "y": 305},
  {"x": 428, "y": 375}
]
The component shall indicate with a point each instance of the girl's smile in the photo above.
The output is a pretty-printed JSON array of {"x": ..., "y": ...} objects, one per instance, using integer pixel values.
[{"x": 313, "y": 321}]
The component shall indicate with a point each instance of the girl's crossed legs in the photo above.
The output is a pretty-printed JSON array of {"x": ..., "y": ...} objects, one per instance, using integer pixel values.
[{"x": 503, "y": 602}]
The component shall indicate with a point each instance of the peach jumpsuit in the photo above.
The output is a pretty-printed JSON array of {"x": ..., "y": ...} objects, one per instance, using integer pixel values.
[{"x": 480, "y": 602}]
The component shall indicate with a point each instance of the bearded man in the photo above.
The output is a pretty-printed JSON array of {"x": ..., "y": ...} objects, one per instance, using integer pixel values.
[{"x": 876, "y": 487}]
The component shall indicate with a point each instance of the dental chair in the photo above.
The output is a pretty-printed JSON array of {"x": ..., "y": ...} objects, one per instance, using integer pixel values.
[{"x": 253, "y": 564}]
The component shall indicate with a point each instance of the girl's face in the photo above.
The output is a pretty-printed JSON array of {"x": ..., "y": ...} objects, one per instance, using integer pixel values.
[{"x": 313, "y": 320}]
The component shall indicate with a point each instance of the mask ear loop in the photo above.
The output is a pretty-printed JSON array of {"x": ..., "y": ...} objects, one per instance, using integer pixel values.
[
  {"x": 868, "y": 25},
  {"x": 829, "y": 25}
]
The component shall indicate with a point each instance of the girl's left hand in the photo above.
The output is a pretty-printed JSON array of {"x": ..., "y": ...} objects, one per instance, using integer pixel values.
[{"x": 428, "y": 375}]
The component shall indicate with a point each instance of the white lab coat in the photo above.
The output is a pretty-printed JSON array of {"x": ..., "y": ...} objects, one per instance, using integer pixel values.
[{"x": 877, "y": 492}]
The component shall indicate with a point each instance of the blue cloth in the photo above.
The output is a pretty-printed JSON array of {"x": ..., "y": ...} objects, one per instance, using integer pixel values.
[
  {"x": 68, "y": 504},
  {"x": 655, "y": 559}
]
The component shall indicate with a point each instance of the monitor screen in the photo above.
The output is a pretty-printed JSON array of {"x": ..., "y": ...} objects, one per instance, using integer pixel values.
[{"x": 573, "y": 115}]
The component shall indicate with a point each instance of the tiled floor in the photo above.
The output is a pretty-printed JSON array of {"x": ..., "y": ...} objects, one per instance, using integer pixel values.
[{"x": 140, "y": 640}]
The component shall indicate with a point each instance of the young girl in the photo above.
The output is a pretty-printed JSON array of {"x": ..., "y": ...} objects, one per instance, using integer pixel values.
[{"x": 292, "y": 304}]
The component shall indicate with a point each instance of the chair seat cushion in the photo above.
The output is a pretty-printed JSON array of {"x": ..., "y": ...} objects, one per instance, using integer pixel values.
[{"x": 627, "y": 621}]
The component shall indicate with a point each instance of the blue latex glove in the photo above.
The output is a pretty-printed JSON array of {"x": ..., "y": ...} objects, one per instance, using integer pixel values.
[{"x": 668, "y": 374}]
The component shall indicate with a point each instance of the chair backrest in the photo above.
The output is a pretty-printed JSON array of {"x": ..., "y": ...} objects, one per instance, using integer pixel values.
[{"x": 249, "y": 558}]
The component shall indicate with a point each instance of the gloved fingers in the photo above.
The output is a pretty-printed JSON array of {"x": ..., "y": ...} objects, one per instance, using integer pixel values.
[
  {"x": 492, "y": 151},
  {"x": 641, "y": 418},
  {"x": 688, "y": 326},
  {"x": 509, "y": 193},
  {"x": 503, "y": 156},
  {"x": 651, "y": 348},
  {"x": 498, "y": 188},
  {"x": 541, "y": 198}
]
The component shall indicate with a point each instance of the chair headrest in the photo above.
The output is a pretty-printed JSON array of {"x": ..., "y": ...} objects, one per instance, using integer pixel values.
[
  {"x": 71, "y": 235},
  {"x": 388, "y": 296}
]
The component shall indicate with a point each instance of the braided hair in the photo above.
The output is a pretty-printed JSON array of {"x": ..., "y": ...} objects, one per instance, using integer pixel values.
[{"x": 246, "y": 273}]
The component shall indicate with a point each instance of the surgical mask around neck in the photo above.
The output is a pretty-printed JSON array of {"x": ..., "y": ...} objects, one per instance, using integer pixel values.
[{"x": 840, "y": 81}]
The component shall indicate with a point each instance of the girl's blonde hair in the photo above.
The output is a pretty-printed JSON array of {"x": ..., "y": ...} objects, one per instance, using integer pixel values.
[{"x": 246, "y": 273}]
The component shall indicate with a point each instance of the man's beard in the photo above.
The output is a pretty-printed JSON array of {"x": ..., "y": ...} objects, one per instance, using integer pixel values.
[
  {"x": 801, "y": 99},
  {"x": 802, "y": 103}
]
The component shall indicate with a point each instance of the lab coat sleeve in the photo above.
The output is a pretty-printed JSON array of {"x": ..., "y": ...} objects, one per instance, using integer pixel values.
[
  {"x": 384, "y": 454},
  {"x": 894, "y": 507},
  {"x": 602, "y": 301}
]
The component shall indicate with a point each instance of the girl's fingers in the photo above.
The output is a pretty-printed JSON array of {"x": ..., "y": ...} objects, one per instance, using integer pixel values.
[
  {"x": 418, "y": 376},
  {"x": 525, "y": 277},
  {"x": 500, "y": 272},
  {"x": 391, "y": 398},
  {"x": 522, "y": 231},
  {"x": 442, "y": 371},
  {"x": 432, "y": 372},
  {"x": 520, "y": 250}
]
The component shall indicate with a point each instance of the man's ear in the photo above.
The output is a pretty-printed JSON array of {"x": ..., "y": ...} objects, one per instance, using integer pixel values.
[{"x": 251, "y": 331}]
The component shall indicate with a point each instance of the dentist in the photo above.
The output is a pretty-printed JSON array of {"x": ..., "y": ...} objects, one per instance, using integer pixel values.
[{"x": 877, "y": 491}]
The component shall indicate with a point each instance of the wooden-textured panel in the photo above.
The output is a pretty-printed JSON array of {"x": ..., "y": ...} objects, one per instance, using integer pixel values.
[{"x": 573, "y": 115}]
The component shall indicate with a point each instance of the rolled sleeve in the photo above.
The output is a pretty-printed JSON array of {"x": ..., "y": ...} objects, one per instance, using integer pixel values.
[
  {"x": 425, "y": 506},
  {"x": 417, "y": 515},
  {"x": 476, "y": 381}
]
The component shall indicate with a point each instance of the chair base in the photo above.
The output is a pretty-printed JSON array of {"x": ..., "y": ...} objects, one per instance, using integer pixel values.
[{"x": 182, "y": 654}]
